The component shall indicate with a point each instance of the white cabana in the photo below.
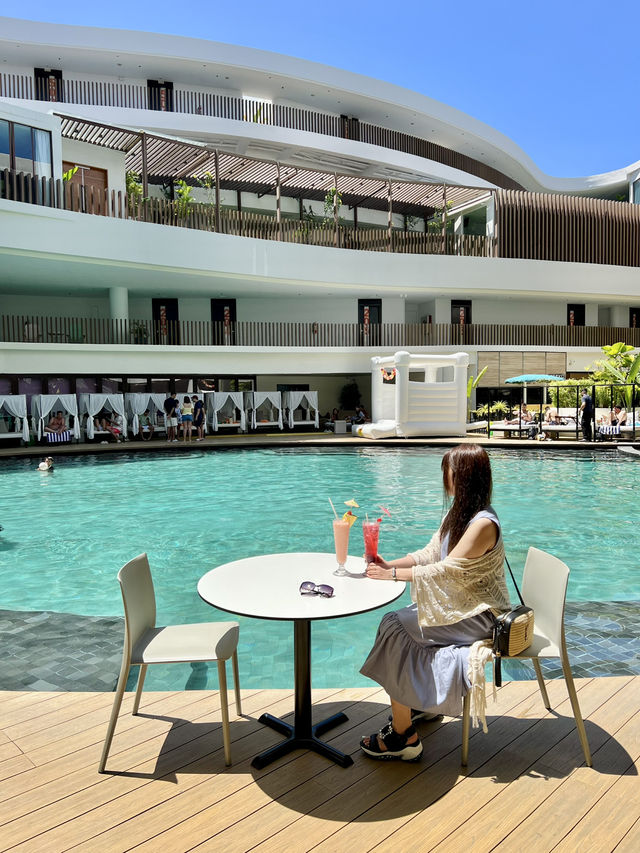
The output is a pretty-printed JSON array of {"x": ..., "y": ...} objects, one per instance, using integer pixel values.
[
  {"x": 43, "y": 404},
  {"x": 136, "y": 404},
  {"x": 305, "y": 400},
  {"x": 93, "y": 404},
  {"x": 225, "y": 409},
  {"x": 16, "y": 406},
  {"x": 265, "y": 408}
]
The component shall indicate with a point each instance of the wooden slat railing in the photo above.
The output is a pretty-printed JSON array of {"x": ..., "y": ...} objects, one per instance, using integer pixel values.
[
  {"x": 530, "y": 225},
  {"x": 202, "y": 217},
  {"x": 136, "y": 96},
  {"x": 85, "y": 330}
]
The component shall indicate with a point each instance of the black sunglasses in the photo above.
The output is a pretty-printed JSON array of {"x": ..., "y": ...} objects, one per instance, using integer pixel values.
[{"x": 310, "y": 588}]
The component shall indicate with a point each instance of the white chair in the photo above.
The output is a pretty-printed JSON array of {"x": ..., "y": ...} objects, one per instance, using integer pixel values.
[
  {"x": 544, "y": 587},
  {"x": 146, "y": 644}
]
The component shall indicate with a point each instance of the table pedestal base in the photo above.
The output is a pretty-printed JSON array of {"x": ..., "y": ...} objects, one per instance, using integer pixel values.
[
  {"x": 296, "y": 741},
  {"x": 302, "y": 735}
]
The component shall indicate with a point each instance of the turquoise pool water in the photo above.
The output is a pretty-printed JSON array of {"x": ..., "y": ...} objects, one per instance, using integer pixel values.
[{"x": 67, "y": 534}]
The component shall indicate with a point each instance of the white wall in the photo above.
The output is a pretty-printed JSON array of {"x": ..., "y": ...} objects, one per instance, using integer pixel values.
[
  {"x": 84, "y": 154},
  {"x": 54, "y": 305},
  {"x": 268, "y": 363},
  {"x": 66, "y": 250}
]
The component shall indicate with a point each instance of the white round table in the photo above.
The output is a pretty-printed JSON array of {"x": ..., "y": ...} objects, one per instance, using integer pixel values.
[{"x": 268, "y": 587}]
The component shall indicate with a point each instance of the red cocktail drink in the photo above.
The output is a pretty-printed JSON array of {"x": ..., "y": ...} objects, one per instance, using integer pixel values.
[{"x": 371, "y": 533}]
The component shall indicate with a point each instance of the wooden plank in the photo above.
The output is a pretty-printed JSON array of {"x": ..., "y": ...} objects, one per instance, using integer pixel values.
[
  {"x": 95, "y": 809},
  {"x": 194, "y": 817},
  {"x": 611, "y": 819},
  {"x": 304, "y": 801},
  {"x": 514, "y": 802},
  {"x": 574, "y": 796},
  {"x": 407, "y": 791}
]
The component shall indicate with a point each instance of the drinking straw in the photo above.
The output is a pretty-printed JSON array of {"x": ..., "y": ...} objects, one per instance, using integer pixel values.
[
  {"x": 367, "y": 517},
  {"x": 333, "y": 508}
]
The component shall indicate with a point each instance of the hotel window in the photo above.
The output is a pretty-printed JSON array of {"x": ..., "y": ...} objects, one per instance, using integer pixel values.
[
  {"x": 635, "y": 196},
  {"x": 25, "y": 149}
]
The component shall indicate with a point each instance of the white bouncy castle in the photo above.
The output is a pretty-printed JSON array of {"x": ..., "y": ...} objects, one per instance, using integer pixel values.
[{"x": 417, "y": 395}]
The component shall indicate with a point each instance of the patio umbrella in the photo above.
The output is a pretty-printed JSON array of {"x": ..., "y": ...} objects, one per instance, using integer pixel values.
[{"x": 526, "y": 378}]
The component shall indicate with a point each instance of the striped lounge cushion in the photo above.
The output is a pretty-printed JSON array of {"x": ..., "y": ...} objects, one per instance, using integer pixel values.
[{"x": 58, "y": 437}]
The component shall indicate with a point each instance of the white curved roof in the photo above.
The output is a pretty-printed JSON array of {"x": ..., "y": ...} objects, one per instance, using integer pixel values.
[{"x": 261, "y": 74}]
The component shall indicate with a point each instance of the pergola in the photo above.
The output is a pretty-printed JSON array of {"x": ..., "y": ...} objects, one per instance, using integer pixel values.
[{"x": 169, "y": 159}]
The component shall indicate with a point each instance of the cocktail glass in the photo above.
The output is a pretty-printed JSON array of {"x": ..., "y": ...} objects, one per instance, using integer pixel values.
[
  {"x": 341, "y": 538},
  {"x": 371, "y": 533}
]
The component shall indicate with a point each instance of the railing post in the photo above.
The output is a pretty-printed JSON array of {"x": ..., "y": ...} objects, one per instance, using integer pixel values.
[
  {"x": 390, "y": 216},
  {"x": 335, "y": 210},
  {"x": 216, "y": 162},
  {"x": 278, "y": 203}
]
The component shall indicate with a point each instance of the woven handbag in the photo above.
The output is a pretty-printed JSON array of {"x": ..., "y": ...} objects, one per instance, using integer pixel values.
[{"x": 512, "y": 632}]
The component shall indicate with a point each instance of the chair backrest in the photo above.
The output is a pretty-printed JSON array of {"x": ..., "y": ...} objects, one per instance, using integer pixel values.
[
  {"x": 138, "y": 597},
  {"x": 544, "y": 587}
]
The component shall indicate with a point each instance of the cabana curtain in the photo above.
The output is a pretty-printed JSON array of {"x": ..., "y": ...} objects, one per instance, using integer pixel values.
[
  {"x": 292, "y": 399},
  {"x": 16, "y": 405},
  {"x": 92, "y": 404},
  {"x": 218, "y": 402},
  {"x": 43, "y": 404},
  {"x": 260, "y": 397},
  {"x": 137, "y": 404}
]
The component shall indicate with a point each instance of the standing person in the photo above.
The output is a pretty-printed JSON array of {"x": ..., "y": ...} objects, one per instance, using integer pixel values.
[
  {"x": 187, "y": 418},
  {"x": 428, "y": 655},
  {"x": 198, "y": 416},
  {"x": 171, "y": 420},
  {"x": 587, "y": 415}
]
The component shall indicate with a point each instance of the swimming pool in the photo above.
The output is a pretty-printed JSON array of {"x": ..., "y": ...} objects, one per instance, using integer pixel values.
[{"x": 67, "y": 534}]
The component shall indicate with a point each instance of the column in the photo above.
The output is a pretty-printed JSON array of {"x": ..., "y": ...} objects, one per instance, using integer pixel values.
[
  {"x": 119, "y": 303},
  {"x": 119, "y": 313}
]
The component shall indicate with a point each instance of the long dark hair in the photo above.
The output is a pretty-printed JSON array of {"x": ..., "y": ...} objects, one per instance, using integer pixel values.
[{"x": 472, "y": 484}]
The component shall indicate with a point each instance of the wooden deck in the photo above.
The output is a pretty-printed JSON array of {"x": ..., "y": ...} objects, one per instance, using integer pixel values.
[{"x": 168, "y": 790}]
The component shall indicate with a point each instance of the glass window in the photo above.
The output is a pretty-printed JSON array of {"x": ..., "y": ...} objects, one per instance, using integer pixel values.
[
  {"x": 42, "y": 153},
  {"x": 5, "y": 150},
  {"x": 23, "y": 147},
  {"x": 636, "y": 191}
]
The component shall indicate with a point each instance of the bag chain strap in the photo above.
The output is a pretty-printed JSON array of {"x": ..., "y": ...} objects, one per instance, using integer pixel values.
[{"x": 514, "y": 580}]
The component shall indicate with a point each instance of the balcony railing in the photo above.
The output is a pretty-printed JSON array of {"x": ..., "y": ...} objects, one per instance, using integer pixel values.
[
  {"x": 138, "y": 96},
  {"x": 205, "y": 217},
  {"x": 196, "y": 333}
]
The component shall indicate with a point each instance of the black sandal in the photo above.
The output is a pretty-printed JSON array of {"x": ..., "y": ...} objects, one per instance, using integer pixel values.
[{"x": 396, "y": 745}]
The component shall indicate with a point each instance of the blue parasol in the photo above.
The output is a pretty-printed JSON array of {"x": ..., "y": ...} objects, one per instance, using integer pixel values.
[{"x": 532, "y": 377}]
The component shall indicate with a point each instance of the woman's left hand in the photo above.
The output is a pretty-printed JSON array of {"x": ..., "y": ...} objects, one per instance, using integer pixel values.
[{"x": 379, "y": 573}]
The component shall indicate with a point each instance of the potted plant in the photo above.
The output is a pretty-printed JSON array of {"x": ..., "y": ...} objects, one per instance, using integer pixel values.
[{"x": 139, "y": 332}]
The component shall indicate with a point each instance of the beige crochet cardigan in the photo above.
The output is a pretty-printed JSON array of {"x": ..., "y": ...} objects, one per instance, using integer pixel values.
[{"x": 450, "y": 590}]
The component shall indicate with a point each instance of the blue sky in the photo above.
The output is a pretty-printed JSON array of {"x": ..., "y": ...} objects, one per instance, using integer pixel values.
[{"x": 559, "y": 78}]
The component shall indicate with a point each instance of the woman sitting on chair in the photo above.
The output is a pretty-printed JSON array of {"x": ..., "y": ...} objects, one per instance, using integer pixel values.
[{"x": 428, "y": 655}]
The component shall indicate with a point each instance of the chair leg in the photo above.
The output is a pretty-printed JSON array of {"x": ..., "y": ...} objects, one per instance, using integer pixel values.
[
  {"x": 573, "y": 697},
  {"x": 541, "y": 684},
  {"x": 141, "y": 675},
  {"x": 115, "y": 710},
  {"x": 466, "y": 723},
  {"x": 236, "y": 683},
  {"x": 224, "y": 706}
]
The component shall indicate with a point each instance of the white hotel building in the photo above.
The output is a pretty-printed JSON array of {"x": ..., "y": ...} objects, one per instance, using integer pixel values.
[{"x": 285, "y": 221}]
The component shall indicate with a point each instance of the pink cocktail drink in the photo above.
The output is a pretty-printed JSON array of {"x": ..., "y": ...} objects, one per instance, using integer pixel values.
[
  {"x": 371, "y": 533},
  {"x": 341, "y": 538}
]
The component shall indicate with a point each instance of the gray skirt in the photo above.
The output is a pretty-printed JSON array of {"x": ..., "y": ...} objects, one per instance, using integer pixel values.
[{"x": 425, "y": 668}]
